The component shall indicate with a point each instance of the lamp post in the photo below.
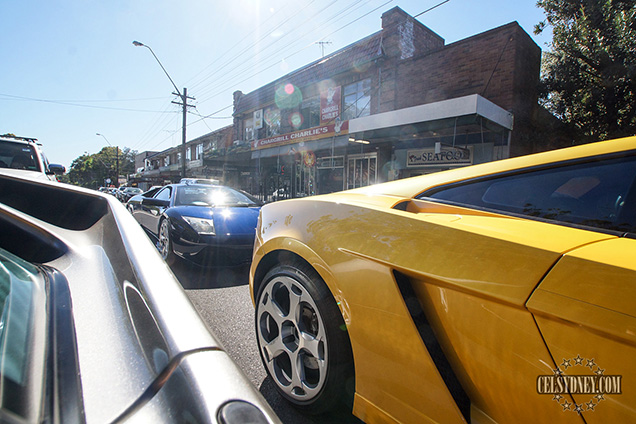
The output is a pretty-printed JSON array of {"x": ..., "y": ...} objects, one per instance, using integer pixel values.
[
  {"x": 184, "y": 103},
  {"x": 116, "y": 156}
]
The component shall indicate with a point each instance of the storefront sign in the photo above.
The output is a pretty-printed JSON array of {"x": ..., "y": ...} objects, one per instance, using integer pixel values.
[
  {"x": 258, "y": 119},
  {"x": 309, "y": 158},
  {"x": 329, "y": 105},
  {"x": 448, "y": 156},
  {"x": 324, "y": 131}
]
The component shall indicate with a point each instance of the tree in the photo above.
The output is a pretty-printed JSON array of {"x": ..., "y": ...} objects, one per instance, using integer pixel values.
[
  {"x": 589, "y": 74},
  {"x": 92, "y": 171}
]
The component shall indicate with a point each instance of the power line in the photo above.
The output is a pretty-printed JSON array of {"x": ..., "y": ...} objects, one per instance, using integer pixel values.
[
  {"x": 248, "y": 48},
  {"x": 262, "y": 50},
  {"x": 215, "y": 91},
  {"x": 431, "y": 8},
  {"x": 65, "y": 103},
  {"x": 296, "y": 52}
]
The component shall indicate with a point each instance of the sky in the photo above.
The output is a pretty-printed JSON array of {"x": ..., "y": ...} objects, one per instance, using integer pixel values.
[{"x": 69, "y": 69}]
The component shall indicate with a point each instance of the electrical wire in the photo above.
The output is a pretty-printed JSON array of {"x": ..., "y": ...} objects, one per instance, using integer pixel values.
[{"x": 68, "y": 103}]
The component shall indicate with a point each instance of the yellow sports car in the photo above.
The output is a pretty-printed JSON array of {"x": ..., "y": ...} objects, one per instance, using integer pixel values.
[{"x": 502, "y": 292}]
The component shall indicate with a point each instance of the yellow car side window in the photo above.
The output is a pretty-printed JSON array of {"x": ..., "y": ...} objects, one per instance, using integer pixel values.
[{"x": 598, "y": 194}]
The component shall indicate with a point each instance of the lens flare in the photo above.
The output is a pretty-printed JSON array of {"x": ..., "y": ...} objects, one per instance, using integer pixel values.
[
  {"x": 288, "y": 96},
  {"x": 296, "y": 120}
]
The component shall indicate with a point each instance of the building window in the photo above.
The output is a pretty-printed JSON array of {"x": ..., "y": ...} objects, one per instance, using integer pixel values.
[
  {"x": 188, "y": 153},
  {"x": 310, "y": 112},
  {"x": 249, "y": 129},
  {"x": 357, "y": 100},
  {"x": 166, "y": 161},
  {"x": 198, "y": 153},
  {"x": 272, "y": 121}
]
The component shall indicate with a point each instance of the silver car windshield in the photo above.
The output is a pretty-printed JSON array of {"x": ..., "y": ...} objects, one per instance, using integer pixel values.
[{"x": 22, "y": 336}]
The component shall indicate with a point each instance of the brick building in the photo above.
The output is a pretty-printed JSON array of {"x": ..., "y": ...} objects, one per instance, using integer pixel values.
[
  {"x": 202, "y": 153},
  {"x": 395, "y": 104}
]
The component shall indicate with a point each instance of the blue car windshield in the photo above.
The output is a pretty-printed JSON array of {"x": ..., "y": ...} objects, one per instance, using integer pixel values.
[{"x": 199, "y": 195}]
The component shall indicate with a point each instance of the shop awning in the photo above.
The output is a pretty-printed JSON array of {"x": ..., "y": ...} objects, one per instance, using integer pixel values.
[{"x": 473, "y": 105}]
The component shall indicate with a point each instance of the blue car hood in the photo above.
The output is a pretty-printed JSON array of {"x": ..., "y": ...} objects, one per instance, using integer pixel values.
[{"x": 227, "y": 220}]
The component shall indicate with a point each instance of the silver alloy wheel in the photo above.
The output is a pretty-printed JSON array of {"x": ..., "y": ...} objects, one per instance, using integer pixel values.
[
  {"x": 164, "y": 239},
  {"x": 292, "y": 338}
]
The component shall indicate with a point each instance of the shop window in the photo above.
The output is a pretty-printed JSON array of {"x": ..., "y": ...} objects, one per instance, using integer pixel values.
[
  {"x": 272, "y": 121},
  {"x": 249, "y": 129},
  {"x": 357, "y": 100},
  {"x": 310, "y": 112}
]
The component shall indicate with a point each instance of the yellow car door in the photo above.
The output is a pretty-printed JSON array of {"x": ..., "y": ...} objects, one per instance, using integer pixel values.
[{"x": 586, "y": 311}]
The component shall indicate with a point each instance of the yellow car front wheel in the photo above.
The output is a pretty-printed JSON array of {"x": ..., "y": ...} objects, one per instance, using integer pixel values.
[{"x": 302, "y": 338}]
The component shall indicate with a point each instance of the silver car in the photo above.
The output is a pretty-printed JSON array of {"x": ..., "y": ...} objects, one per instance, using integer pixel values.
[{"x": 95, "y": 327}]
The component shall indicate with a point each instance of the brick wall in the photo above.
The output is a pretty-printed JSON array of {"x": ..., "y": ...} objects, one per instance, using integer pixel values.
[{"x": 501, "y": 65}]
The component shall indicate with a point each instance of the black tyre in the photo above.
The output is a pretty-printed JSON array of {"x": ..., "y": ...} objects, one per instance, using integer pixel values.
[
  {"x": 165, "y": 244},
  {"x": 302, "y": 339}
]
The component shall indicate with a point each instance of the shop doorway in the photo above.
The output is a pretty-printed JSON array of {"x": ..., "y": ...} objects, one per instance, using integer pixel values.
[
  {"x": 330, "y": 174},
  {"x": 304, "y": 179},
  {"x": 362, "y": 170}
]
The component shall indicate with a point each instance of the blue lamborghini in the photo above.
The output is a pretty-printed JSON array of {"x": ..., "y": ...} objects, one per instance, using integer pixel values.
[{"x": 210, "y": 225}]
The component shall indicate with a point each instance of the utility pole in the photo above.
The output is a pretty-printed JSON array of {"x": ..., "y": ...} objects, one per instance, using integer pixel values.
[{"x": 184, "y": 103}]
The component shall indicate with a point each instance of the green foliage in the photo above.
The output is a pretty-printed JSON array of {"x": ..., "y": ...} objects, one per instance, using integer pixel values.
[
  {"x": 91, "y": 171},
  {"x": 589, "y": 74}
]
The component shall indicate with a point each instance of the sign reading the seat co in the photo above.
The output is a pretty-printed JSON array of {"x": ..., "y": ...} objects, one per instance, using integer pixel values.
[{"x": 447, "y": 156}]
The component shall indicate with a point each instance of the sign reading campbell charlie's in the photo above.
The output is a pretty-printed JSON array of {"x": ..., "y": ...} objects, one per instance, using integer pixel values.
[
  {"x": 323, "y": 131},
  {"x": 448, "y": 156}
]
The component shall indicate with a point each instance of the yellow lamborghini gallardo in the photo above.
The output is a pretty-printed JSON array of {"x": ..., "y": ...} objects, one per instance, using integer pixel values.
[{"x": 502, "y": 292}]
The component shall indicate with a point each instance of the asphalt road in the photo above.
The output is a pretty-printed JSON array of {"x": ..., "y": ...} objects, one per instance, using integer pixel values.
[{"x": 222, "y": 298}]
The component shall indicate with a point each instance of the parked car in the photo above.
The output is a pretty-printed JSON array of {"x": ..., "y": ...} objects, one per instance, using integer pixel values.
[
  {"x": 129, "y": 192},
  {"x": 202, "y": 223},
  {"x": 136, "y": 199},
  {"x": 466, "y": 295},
  {"x": 199, "y": 181},
  {"x": 94, "y": 325},
  {"x": 23, "y": 156},
  {"x": 119, "y": 192}
]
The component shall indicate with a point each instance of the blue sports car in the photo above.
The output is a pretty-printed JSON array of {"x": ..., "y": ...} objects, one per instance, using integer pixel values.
[{"x": 207, "y": 224}]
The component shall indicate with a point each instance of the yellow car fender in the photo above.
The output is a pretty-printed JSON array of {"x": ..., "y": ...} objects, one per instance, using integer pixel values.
[{"x": 298, "y": 248}]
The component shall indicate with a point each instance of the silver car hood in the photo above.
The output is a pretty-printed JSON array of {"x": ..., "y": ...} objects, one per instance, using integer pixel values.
[{"x": 143, "y": 352}]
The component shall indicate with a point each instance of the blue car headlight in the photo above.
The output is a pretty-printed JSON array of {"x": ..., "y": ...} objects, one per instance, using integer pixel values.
[{"x": 201, "y": 225}]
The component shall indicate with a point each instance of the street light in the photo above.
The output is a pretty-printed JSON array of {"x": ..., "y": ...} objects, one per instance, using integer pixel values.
[
  {"x": 116, "y": 156},
  {"x": 184, "y": 102}
]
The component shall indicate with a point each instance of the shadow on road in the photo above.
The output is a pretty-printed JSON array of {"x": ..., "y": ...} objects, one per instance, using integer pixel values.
[
  {"x": 290, "y": 415},
  {"x": 192, "y": 276}
]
